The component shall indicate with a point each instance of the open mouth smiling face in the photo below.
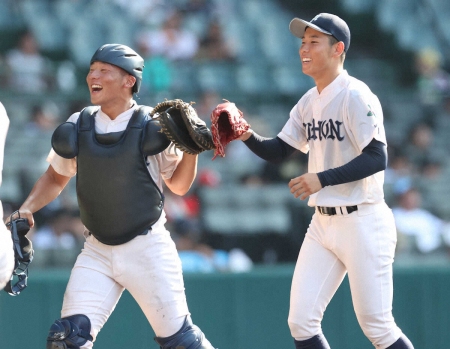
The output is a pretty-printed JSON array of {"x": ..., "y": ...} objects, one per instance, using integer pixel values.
[{"x": 96, "y": 88}]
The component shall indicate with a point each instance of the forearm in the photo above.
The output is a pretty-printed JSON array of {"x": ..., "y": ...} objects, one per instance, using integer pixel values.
[
  {"x": 184, "y": 175},
  {"x": 270, "y": 149}
]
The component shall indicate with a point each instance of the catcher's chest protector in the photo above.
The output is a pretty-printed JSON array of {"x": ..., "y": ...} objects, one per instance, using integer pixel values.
[{"x": 117, "y": 197}]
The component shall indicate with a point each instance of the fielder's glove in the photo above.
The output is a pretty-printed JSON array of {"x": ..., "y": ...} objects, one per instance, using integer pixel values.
[
  {"x": 23, "y": 254},
  {"x": 180, "y": 123},
  {"x": 227, "y": 124}
]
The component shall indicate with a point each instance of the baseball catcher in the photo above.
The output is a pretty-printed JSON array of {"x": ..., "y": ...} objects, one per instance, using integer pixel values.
[
  {"x": 227, "y": 124},
  {"x": 23, "y": 253},
  {"x": 122, "y": 162},
  {"x": 182, "y": 126}
]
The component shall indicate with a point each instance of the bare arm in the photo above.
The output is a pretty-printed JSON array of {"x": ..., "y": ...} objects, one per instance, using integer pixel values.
[
  {"x": 45, "y": 190},
  {"x": 184, "y": 175}
]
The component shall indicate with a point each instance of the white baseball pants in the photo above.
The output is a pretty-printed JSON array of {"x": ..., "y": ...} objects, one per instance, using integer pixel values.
[
  {"x": 6, "y": 254},
  {"x": 147, "y": 266},
  {"x": 361, "y": 244}
]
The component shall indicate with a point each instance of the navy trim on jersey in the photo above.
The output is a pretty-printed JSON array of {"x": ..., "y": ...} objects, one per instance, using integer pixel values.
[
  {"x": 373, "y": 159},
  {"x": 273, "y": 150}
]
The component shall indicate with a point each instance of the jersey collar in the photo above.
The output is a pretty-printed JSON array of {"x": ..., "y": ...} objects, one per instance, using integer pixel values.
[
  {"x": 333, "y": 89},
  {"x": 126, "y": 115}
]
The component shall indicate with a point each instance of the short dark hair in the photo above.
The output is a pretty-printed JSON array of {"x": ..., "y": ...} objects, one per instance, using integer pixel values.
[{"x": 333, "y": 41}]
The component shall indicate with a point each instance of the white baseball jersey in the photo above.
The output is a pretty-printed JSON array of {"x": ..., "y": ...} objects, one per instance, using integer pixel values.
[
  {"x": 4, "y": 125},
  {"x": 6, "y": 247},
  {"x": 335, "y": 126}
]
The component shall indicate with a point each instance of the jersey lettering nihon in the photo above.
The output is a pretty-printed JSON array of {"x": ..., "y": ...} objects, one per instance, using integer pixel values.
[{"x": 334, "y": 127}]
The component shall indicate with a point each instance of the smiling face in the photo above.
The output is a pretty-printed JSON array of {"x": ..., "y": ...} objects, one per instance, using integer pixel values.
[
  {"x": 320, "y": 58},
  {"x": 109, "y": 85}
]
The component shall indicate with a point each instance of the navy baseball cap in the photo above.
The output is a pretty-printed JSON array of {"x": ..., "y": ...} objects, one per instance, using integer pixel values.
[{"x": 326, "y": 23}]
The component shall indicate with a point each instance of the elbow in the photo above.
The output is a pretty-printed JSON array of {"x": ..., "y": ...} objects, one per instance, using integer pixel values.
[
  {"x": 384, "y": 162},
  {"x": 181, "y": 191},
  {"x": 381, "y": 165}
]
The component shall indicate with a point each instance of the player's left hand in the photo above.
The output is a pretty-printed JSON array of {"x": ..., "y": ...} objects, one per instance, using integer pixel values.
[{"x": 305, "y": 185}]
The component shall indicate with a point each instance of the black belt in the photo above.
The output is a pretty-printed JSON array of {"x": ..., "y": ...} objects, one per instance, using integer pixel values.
[
  {"x": 145, "y": 232},
  {"x": 331, "y": 211}
]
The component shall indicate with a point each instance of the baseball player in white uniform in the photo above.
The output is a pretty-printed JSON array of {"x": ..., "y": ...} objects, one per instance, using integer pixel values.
[
  {"x": 121, "y": 161},
  {"x": 6, "y": 244},
  {"x": 339, "y": 123}
]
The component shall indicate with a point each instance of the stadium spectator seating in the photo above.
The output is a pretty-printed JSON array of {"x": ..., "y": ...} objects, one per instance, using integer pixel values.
[{"x": 266, "y": 78}]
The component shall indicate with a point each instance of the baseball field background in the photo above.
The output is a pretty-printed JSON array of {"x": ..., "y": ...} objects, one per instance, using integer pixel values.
[{"x": 238, "y": 311}]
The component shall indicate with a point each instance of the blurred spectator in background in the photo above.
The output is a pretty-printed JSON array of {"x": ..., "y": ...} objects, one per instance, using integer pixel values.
[
  {"x": 171, "y": 41},
  {"x": 28, "y": 70},
  {"x": 157, "y": 75},
  {"x": 197, "y": 256},
  {"x": 399, "y": 175},
  {"x": 43, "y": 120},
  {"x": 59, "y": 240},
  {"x": 418, "y": 230},
  {"x": 208, "y": 100},
  {"x": 207, "y": 177},
  {"x": 289, "y": 168},
  {"x": 181, "y": 207},
  {"x": 432, "y": 169},
  {"x": 183, "y": 219},
  {"x": 66, "y": 77},
  {"x": 62, "y": 230},
  {"x": 433, "y": 83},
  {"x": 204, "y": 7},
  {"x": 147, "y": 12},
  {"x": 419, "y": 149},
  {"x": 214, "y": 46}
]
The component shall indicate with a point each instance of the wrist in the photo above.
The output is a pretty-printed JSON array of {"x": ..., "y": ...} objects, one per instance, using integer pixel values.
[{"x": 247, "y": 135}]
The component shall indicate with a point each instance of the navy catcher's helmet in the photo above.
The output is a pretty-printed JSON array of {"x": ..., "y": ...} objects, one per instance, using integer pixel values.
[{"x": 123, "y": 57}]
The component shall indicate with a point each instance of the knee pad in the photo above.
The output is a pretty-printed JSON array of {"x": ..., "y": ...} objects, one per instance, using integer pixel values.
[
  {"x": 188, "y": 337},
  {"x": 69, "y": 332}
]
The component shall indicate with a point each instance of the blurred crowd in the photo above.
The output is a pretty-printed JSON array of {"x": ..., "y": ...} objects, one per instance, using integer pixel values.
[{"x": 416, "y": 163}]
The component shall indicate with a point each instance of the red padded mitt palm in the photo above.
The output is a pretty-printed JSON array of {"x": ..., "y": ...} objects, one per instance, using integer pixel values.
[{"x": 227, "y": 124}]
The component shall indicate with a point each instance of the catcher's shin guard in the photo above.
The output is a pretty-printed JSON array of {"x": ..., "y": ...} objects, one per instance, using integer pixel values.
[
  {"x": 69, "y": 332},
  {"x": 188, "y": 337}
]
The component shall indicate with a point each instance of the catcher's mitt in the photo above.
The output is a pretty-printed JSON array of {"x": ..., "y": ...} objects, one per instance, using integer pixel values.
[
  {"x": 227, "y": 124},
  {"x": 23, "y": 254},
  {"x": 181, "y": 124}
]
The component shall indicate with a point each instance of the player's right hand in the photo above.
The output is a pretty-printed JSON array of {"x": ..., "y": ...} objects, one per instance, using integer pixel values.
[
  {"x": 305, "y": 185},
  {"x": 22, "y": 213},
  {"x": 245, "y": 135}
]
